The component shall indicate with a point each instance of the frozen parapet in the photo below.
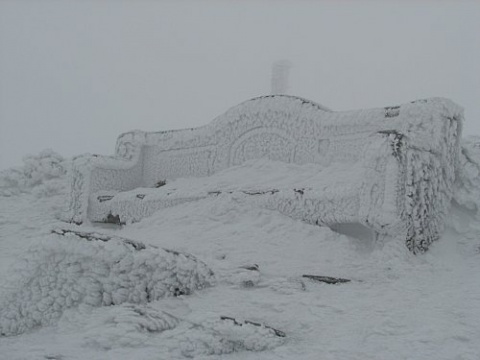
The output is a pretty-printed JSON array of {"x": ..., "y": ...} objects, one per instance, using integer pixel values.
[{"x": 389, "y": 169}]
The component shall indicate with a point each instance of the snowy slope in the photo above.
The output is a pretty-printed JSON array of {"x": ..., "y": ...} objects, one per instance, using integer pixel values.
[{"x": 397, "y": 306}]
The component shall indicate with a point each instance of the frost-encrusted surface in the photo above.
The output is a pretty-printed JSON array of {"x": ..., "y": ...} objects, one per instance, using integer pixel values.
[
  {"x": 290, "y": 188},
  {"x": 93, "y": 173},
  {"x": 397, "y": 306},
  {"x": 41, "y": 172},
  {"x": 467, "y": 186},
  {"x": 411, "y": 153},
  {"x": 65, "y": 271},
  {"x": 130, "y": 325},
  {"x": 126, "y": 325}
]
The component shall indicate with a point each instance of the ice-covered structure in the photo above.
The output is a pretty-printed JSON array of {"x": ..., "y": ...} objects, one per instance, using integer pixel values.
[
  {"x": 467, "y": 187},
  {"x": 389, "y": 169}
]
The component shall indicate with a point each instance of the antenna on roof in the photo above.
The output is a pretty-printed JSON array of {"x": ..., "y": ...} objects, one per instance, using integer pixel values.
[{"x": 280, "y": 72}]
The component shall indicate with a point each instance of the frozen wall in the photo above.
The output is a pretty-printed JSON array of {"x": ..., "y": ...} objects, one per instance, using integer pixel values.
[
  {"x": 467, "y": 187},
  {"x": 409, "y": 155}
]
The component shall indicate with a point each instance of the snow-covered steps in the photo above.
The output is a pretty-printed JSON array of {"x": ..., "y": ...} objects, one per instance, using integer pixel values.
[{"x": 389, "y": 169}]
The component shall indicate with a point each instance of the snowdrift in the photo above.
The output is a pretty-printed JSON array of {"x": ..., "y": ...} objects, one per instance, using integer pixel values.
[{"x": 128, "y": 325}]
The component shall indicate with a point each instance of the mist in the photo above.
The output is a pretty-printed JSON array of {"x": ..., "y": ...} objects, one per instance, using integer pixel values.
[{"x": 76, "y": 74}]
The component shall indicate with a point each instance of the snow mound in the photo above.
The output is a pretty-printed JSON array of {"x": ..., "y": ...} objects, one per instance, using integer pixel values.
[
  {"x": 132, "y": 325},
  {"x": 225, "y": 337},
  {"x": 63, "y": 272},
  {"x": 43, "y": 173},
  {"x": 126, "y": 326}
]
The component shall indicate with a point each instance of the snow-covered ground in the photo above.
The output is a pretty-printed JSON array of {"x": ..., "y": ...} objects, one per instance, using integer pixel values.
[{"x": 397, "y": 306}]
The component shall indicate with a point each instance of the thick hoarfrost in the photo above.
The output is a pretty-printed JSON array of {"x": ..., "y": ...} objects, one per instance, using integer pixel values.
[
  {"x": 467, "y": 189},
  {"x": 465, "y": 213},
  {"x": 405, "y": 159},
  {"x": 274, "y": 184},
  {"x": 62, "y": 272},
  {"x": 42, "y": 174}
]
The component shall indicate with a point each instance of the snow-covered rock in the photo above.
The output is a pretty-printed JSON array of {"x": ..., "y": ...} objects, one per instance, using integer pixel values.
[
  {"x": 125, "y": 325},
  {"x": 130, "y": 325},
  {"x": 62, "y": 272},
  {"x": 389, "y": 169},
  {"x": 222, "y": 337},
  {"x": 43, "y": 174}
]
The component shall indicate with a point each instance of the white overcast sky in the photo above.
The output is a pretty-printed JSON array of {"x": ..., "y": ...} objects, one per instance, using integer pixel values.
[{"x": 76, "y": 74}]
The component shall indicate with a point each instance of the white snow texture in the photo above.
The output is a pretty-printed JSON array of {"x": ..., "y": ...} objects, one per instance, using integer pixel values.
[
  {"x": 65, "y": 271},
  {"x": 397, "y": 306},
  {"x": 39, "y": 171},
  {"x": 397, "y": 165},
  {"x": 126, "y": 326}
]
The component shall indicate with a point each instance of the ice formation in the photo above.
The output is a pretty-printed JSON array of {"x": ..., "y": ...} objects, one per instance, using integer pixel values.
[
  {"x": 389, "y": 169},
  {"x": 467, "y": 184},
  {"x": 40, "y": 171},
  {"x": 126, "y": 325},
  {"x": 65, "y": 271}
]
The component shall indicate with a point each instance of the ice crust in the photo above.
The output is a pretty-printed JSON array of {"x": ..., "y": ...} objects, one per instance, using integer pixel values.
[
  {"x": 405, "y": 159},
  {"x": 62, "y": 272}
]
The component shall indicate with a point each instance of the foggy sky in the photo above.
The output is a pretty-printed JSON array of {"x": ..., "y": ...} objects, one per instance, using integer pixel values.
[{"x": 76, "y": 74}]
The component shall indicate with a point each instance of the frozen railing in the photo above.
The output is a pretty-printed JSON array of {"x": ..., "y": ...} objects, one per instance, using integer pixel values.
[{"x": 399, "y": 165}]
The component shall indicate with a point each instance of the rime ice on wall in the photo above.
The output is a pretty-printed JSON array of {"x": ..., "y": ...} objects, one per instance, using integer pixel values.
[
  {"x": 465, "y": 213},
  {"x": 468, "y": 179},
  {"x": 406, "y": 158},
  {"x": 90, "y": 174},
  {"x": 64, "y": 272}
]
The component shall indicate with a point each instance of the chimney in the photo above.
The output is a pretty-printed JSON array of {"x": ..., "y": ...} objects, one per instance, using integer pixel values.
[{"x": 280, "y": 72}]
